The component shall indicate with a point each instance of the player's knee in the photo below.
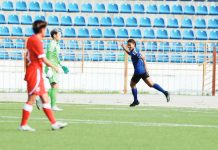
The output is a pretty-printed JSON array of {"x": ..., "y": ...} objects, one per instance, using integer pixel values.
[
  {"x": 132, "y": 85},
  {"x": 150, "y": 85}
]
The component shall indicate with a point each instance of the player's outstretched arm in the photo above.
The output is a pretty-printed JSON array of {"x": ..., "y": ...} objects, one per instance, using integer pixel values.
[
  {"x": 49, "y": 64},
  {"x": 125, "y": 48}
]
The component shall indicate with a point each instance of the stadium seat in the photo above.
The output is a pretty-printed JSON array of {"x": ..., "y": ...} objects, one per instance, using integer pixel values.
[
  {"x": 53, "y": 20},
  {"x": 79, "y": 21},
  {"x": 176, "y": 47},
  {"x": 13, "y": 19},
  {"x": 149, "y": 34},
  {"x": 201, "y": 35},
  {"x": 152, "y": 9},
  {"x": 164, "y": 47},
  {"x": 86, "y": 7},
  {"x": 26, "y": 19},
  {"x": 188, "y": 35},
  {"x": 135, "y": 33},
  {"x": 164, "y": 9},
  {"x": 213, "y": 10},
  {"x": 211, "y": 47},
  {"x": 145, "y": 22},
  {"x": 201, "y": 58},
  {"x": 213, "y": 35},
  {"x": 21, "y": 6},
  {"x": 159, "y": 22},
  {"x": 112, "y": 8},
  {"x": 73, "y": 44},
  {"x": 176, "y": 9},
  {"x": 87, "y": 45},
  {"x": 106, "y": 21},
  {"x": 47, "y": 34},
  {"x": 189, "y": 47},
  {"x": 60, "y": 7},
  {"x": 19, "y": 43},
  {"x": 61, "y": 43},
  {"x": 4, "y": 54},
  {"x": 120, "y": 57},
  {"x": 66, "y": 21},
  {"x": 139, "y": 8},
  {"x": 6, "y": 43},
  {"x": 83, "y": 33},
  {"x": 69, "y": 57},
  {"x": 200, "y": 47},
  {"x": 16, "y": 55},
  {"x": 172, "y": 23},
  {"x": 7, "y": 5},
  {"x": 28, "y": 31},
  {"x": 39, "y": 18},
  {"x": 69, "y": 32},
  {"x": 175, "y": 34},
  {"x": 2, "y": 19},
  {"x": 96, "y": 57},
  {"x": 200, "y": 23},
  {"x": 189, "y": 59},
  {"x": 151, "y": 46},
  {"x": 96, "y": 33},
  {"x": 109, "y": 33},
  {"x": 93, "y": 21},
  {"x": 176, "y": 58},
  {"x": 189, "y": 10},
  {"x": 118, "y": 22},
  {"x": 202, "y": 10},
  {"x": 131, "y": 22},
  {"x": 125, "y": 8},
  {"x": 162, "y": 58},
  {"x": 16, "y": 31},
  {"x": 85, "y": 57},
  {"x": 4, "y": 31},
  {"x": 47, "y": 6},
  {"x": 112, "y": 45},
  {"x": 110, "y": 57},
  {"x": 186, "y": 23},
  {"x": 99, "y": 8},
  {"x": 34, "y": 6},
  {"x": 122, "y": 33},
  {"x": 98, "y": 45},
  {"x": 213, "y": 23},
  {"x": 162, "y": 34},
  {"x": 73, "y": 7},
  {"x": 150, "y": 58}
]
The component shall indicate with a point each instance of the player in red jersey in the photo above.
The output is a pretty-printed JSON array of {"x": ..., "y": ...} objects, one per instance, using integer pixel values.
[{"x": 35, "y": 58}]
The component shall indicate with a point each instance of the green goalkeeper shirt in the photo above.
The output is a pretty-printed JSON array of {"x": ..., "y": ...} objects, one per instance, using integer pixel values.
[{"x": 52, "y": 53}]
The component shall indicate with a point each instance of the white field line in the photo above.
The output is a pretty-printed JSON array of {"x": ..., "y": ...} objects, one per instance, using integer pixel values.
[{"x": 110, "y": 122}]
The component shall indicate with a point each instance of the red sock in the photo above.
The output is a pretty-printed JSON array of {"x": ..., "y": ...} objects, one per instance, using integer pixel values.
[
  {"x": 49, "y": 113},
  {"x": 27, "y": 109}
]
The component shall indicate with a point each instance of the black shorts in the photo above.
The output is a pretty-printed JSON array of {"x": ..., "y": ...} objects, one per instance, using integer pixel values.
[{"x": 137, "y": 77}]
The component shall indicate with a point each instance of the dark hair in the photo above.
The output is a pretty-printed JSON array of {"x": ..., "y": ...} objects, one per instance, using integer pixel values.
[
  {"x": 53, "y": 32},
  {"x": 132, "y": 41},
  {"x": 38, "y": 25}
]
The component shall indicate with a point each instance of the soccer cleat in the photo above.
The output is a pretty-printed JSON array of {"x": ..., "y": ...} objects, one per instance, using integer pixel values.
[
  {"x": 38, "y": 103},
  {"x": 58, "y": 125},
  {"x": 167, "y": 94},
  {"x": 26, "y": 128},
  {"x": 135, "y": 103},
  {"x": 56, "y": 108}
]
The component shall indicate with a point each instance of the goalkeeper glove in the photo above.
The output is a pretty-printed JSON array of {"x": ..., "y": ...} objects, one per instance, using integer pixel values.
[{"x": 65, "y": 69}]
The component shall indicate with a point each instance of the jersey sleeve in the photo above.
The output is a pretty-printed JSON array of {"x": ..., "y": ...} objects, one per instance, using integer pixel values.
[{"x": 38, "y": 50}]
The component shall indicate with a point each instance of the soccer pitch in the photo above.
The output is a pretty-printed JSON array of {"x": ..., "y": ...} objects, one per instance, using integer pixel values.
[{"x": 106, "y": 127}]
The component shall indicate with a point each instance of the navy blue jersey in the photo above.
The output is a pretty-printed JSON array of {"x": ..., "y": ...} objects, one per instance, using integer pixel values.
[{"x": 137, "y": 61}]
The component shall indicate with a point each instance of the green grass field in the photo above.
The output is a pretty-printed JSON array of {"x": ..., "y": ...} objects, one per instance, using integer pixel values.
[{"x": 97, "y": 127}]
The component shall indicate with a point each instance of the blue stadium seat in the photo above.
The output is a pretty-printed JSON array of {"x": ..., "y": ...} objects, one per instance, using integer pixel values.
[
  {"x": 152, "y": 9},
  {"x": 112, "y": 45},
  {"x": 73, "y": 7},
  {"x": 4, "y": 31},
  {"x": 13, "y": 19},
  {"x": 162, "y": 58},
  {"x": 66, "y": 21},
  {"x": 19, "y": 43},
  {"x": 26, "y": 19},
  {"x": 188, "y": 35},
  {"x": 164, "y": 9},
  {"x": 202, "y": 10},
  {"x": 28, "y": 31},
  {"x": 186, "y": 23},
  {"x": 7, "y": 43},
  {"x": 189, "y": 59},
  {"x": 73, "y": 44},
  {"x": 47, "y": 34},
  {"x": 97, "y": 57},
  {"x": 201, "y": 35},
  {"x": 145, "y": 22},
  {"x": 213, "y": 10},
  {"x": 93, "y": 21},
  {"x": 16, "y": 31},
  {"x": 7, "y": 5},
  {"x": 100, "y": 8},
  {"x": 200, "y": 47},
  {"x": 110, "y": 57},
  {"x": 176, "y": 9},
  {"x": 200, "y": 23},
  {"x": 211, "y": 47},
  {"x": 122, "y": 33},
  {"x": 69, "y": 32},
  {"x": 96, "y": 33},
  {"x": 151, "y": 46},
  {"x": 4, "y": 54},
  {"x": 176, "y": 47},
  {"x": 39, "y": 18},
  {"x": 2, "y": 19},
  {"x": 34, "y": 6},
  {"x": 150, "y": 58},
  {"x": 213, "y": 35},
  {"x": 53, "y": 20},
  {"x": 85, "y": 57},
  {"x": 112, "y": 8},
  {"x": 83, "y": 33},
  {"x": 61, "y": 43},
  {"x": 86, "y": 7},
  {"x": 159, "y": 22},
  {"x": 16, "y": 55},
  {"x": 125, "y": 8},
  {"x": 164, "y": 46},
  {"x": 47, "y": 6},
  {"x": 176, "y": 58},
  {"x": 60, "y": 7},
  {"x": 109, "y": 33},
  {"x": 106, "y": 21},
  {"x": 98, "y": 45},
  {"x": 69, "y": 57},
  {"x": 201, "y": 58},
  {"x": 79, "y": 21},
  {"x": 172, "y": 23},
  {"x": 175, "y": 34},
  {"x": 139, "y": 8},
  {"x": 135, "y": 33},
  {"x": 21, "y": 6},
  {"x": 213, "y": 23},
  {"x": 149, "y": 34},
  {"x": 162, "y": 34},
  {"x": 87, "y": 45},
  {"x": 119, "y": 22},
  {"x": 131, "y": 22},
  {"x": 189, "y": 10},
  {"x": 189, "y": 47}
]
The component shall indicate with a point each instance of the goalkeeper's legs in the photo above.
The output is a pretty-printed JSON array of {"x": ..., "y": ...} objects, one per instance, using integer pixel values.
[{"x": 53, "y": 95}]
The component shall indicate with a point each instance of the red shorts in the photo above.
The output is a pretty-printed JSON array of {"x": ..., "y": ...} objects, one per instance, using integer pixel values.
[{"x": 35, "y": 82}]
